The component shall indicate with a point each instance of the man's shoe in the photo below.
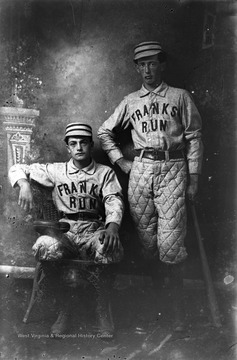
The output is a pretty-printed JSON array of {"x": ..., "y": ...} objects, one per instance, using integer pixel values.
[{"x": 61, "y": 324}]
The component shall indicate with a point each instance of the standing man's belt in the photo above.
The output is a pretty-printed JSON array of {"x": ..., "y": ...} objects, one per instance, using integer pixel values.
[{"x": 161, "y": 155}]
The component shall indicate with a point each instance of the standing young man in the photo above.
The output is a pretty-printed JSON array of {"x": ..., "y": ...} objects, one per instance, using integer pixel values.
[
  {"x": 89, "y": 196},
  {"x": 166, "y": 133}
]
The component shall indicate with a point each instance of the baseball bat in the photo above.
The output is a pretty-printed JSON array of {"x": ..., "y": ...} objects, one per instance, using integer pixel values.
[{"x": 206, "y": 273}]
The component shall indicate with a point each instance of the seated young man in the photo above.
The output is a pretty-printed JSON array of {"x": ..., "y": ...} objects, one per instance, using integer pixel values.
[{"x": 89, "y": 196}]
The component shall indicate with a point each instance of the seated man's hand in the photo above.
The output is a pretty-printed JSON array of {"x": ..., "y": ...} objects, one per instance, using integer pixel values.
[
  {"x": 110, "y": 238},
  {"x": 25, "y": 199}
]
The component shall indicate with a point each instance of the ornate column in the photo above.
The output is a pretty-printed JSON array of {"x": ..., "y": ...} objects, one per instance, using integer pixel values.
[{"x": 18, "y": 124}]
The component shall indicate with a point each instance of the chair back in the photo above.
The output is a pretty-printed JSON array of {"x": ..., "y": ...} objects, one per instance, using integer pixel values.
[{"x": 43, "y": 205}]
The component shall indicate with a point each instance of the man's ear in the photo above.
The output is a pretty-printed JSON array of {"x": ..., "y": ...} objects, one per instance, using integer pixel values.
[
  {"x": 137, "y": 68},
  {"x": 68, "y": 149}
]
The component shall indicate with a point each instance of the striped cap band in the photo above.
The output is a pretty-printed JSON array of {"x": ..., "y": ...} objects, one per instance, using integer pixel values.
[
  {"x": 147, "y": 48},
  {"x": 78, "y": 129}
]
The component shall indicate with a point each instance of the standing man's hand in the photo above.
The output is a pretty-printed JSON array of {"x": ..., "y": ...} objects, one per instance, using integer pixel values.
[
  {"x": 110, "y": 238},
  {"x": 125, "y": 165},
  {"x": 25, "y": 199},
  {"x": 192, "y": 187}
]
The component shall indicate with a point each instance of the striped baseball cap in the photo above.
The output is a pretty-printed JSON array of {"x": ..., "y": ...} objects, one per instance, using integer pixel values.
[
  {"x": 78, "y": 129},
  {"x": 147, "y": 48}
]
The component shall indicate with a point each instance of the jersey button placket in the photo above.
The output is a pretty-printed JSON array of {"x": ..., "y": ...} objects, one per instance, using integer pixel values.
[
  {"x": 154, "y": 138},
  {"x": 149, "y": 144}
]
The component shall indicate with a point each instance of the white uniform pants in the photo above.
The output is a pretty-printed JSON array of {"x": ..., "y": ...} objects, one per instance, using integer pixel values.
[
  {"x": 156, "y": 196},
  {"x": 81, "y": 241}
]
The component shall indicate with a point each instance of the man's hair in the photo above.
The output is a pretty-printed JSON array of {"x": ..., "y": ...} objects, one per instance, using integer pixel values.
[{"x": 162, "y": 57}]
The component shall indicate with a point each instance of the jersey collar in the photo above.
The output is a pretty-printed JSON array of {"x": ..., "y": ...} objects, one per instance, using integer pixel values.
[
  {"x": 160, "y": 90},
  {"x": 72, "y": 169}
]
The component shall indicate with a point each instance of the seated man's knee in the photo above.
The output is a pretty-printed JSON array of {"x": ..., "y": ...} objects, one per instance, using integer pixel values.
[{"x": 47, "y": 248}]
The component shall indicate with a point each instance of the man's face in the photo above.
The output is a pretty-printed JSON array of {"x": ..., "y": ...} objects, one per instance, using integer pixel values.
[
  {"x": 151, "y": 70},
  {"x": 80, "y": 149}
]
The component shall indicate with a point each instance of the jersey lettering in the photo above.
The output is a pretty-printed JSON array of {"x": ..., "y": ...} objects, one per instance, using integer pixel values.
[
  {"x": 138, "y": 113},
  {"x": 146, "y": 112},
  {"x": 66, "y": 189},
  {"x": 93, "y": 188},
  {"x": 144, "y": 127},
  {"x": 93, "y": 203},
  {"x": 174, "y": 111},
  {"x": 82, "y": 203},
  {"x": 154, "y": 125},
  {"x": 60, "y": 187},
  {"x": 82, "y": 185},
  {"x": 73, "y": 189},
  {"x": 72, "y": 202},
  {"x": 163, "y": 125},
  {"x": 70, "y": 188},
  {"x": 164, "y": 110},
  {"x": 155, "y": 108}
]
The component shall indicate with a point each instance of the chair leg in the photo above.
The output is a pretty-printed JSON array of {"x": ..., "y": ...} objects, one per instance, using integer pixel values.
[{"x": 39, "y": 275}]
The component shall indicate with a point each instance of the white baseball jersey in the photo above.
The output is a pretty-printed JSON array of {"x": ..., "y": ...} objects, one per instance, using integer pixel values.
[
  {"x": 94, "y": 189},
  {"x": 164, "y": 119}
]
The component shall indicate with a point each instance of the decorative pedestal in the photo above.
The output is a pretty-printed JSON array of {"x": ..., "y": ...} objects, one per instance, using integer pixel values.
[{"x": 18, "y": 124}]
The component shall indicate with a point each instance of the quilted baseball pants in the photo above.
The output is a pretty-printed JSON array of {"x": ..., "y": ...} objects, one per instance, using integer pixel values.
[
  {"x": 81, "y": 241},
  {"x": 156, "y": 195}
]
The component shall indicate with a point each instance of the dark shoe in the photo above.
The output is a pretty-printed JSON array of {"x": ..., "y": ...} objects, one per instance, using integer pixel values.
[{"x": 61, "y": 324}]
